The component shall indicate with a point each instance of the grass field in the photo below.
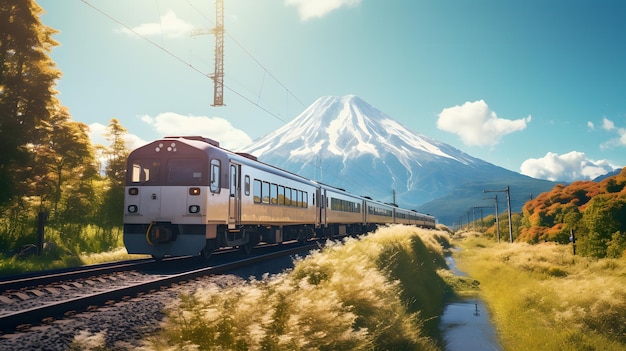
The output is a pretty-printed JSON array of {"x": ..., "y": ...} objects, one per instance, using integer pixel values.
[
  {"x": 378, "y": 292},
  {"x": 542, "y": 297},
  {"x": 14, "y": 265}
]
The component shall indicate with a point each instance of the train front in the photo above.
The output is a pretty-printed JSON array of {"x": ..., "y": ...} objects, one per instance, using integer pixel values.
[{"x": 165, "y": 201}]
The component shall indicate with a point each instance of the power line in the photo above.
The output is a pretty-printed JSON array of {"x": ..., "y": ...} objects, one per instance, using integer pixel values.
[
  {"x": 191, "y": 66},
  {"x": 231, "y": 37},
  {"x": 178, "y": 58}
]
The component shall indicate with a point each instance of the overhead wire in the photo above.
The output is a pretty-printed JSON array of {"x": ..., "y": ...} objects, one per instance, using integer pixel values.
[
  {"x": 180, "y": 59},
  {"x": 265, "y": 69},
  {"x": 194, "y": 68}
]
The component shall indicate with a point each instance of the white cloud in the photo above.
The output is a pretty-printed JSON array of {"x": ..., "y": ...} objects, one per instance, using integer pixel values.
[
  {"x": 97, "y": 133},
  {"x": 170, "y": 26},
  {"x": 318, "y": 8},
  {"x": 216, "y": 128},
  {"x": 567, "y": 167},
  {"x": 618, "y": 141},
  {"x": 477, "y": 125},
  {"x": 590, "y": 125},
  {"x": 607, "y": 124}
]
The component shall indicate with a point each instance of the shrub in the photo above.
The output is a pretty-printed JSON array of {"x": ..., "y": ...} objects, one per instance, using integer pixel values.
[{"x": 367, "y": 294}]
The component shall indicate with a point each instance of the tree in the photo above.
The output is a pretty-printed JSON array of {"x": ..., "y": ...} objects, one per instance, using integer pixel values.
[
  {"x": 65, "y": 156},
  {"x": 602, "y": 218},
  {"x": 27, "y": 79},
  {"x": 617, "y": 246},
  {"x": 116, "y": 172},
  {"x": 117, "y": 153}
]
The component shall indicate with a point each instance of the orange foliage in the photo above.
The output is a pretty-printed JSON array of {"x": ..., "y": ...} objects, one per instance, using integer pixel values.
[{"x": 545, "y": 213}]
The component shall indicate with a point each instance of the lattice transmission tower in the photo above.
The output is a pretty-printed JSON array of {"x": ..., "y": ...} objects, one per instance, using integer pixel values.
[{"x": 218, "y": 73}]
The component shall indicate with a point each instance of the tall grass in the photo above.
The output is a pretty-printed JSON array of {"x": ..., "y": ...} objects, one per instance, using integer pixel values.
[
  {"x": 542, "y": 297},
  {"x": 92, "y": 245},
  {"x": 369, "y": 294}
]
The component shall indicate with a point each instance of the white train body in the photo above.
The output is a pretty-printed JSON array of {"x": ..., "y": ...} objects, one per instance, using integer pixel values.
[{"x": 186, "y": 195}]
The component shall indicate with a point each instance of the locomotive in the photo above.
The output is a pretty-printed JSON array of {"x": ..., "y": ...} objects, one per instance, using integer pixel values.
[{"x": 185, "y": 195}]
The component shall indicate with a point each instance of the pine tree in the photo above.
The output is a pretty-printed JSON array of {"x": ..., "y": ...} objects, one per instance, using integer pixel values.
[
  {"x": 116, "y": 172},
  {"x": 27, "y": 80}
]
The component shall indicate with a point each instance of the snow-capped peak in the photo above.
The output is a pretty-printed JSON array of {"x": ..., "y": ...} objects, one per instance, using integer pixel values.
[{"x": 347, "y": 127}]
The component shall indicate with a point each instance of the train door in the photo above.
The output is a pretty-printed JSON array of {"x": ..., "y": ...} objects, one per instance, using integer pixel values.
[
  {"x": 234, "y": 199},
  {"x": 321, "y": 205}
]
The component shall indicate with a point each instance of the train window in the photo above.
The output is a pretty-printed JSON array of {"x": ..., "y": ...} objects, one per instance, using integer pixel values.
[
  {"x": 274, "y": 194},
  {"x": 184, "y": 171},
  {"x": 215, "y": 176},
  {"x": 234, "y": 180},
  {"x": 143, "y": 171},
  {"x": 265, "y": 193},
  {"x": 305, "y": 199},
  {"x": 299, "y": 204},
  {"x": 287, "y": 196},
  {"x": 246, "y": 185},
  {"x": 257, "y": 191},
  {"x": 294, "y": 197},
  {"x": 281, "y": 195}
]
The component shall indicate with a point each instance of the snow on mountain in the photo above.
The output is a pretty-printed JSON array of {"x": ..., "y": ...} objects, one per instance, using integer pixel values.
[
  {"x": 348, "y": 127},
  {"x": 346, "y": 142}
]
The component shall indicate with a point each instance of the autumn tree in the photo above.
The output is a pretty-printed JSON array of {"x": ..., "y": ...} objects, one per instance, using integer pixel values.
[{"x": 27, "y": 80}]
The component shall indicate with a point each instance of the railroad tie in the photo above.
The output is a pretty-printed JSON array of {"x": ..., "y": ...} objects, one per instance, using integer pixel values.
[{"x": 6, "y": 300}]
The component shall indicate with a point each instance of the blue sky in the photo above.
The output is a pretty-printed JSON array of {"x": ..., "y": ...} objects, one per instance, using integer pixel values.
[{"x": 538, "y": 87}]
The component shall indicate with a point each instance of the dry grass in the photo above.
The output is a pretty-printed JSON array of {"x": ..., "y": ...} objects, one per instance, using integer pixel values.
[
  {"x": 353, "y": 295},
  {"x": 543, "y": 297}
]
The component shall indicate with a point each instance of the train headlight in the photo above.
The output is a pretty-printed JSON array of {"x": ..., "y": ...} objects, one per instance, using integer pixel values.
[
  {"x": 133, "y": 209},
  {"x": 194, "y": 209},
  {"x": 133, "y": 191},
  {"x": 194, "y": 191}
]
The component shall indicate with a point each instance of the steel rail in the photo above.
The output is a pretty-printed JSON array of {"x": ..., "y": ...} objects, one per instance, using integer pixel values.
[
  {"x": 33, "y": 316},
  {"x": 43, "y": 278}
]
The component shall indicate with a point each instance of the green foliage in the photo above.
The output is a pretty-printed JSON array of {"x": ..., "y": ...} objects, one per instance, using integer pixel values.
[
  {"x": 355, "y": 295},
  {"x": 604, "y": 216},
  {"x": 545, "y": 298},
  {"x": 27, "y": 78},
  {"x": 117, "y": 152},
  {"x": 617, "y": 246},
  {"x": 594, "y": 211},
  {"x": 47, "y": 163}
]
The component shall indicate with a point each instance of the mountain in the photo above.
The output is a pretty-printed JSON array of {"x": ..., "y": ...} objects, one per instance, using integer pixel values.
[
  {"x": 347, "y": 143},
  {"x": 608, "y": 175}
]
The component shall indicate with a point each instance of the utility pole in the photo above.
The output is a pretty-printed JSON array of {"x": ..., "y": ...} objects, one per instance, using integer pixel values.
[{"x": 508, "y": 203}]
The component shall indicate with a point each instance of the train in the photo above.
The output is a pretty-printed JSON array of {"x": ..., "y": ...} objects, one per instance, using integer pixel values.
[{"x": 187, "y": 196}]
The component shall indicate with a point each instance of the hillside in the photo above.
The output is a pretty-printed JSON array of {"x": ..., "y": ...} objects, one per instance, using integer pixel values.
[{"x": 594, "y": 210}]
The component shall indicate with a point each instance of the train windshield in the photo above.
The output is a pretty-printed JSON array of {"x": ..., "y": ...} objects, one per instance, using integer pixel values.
[
  {"x": 185, "y": 171},
  {"x": 144, "y": 172},
  {"x": 176, "y": 171}
]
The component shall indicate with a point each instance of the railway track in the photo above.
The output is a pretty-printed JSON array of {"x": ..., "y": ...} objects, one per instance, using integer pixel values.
[
  {"x": 67, "y": 293},
  {"x": 22, "y": 281}
]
